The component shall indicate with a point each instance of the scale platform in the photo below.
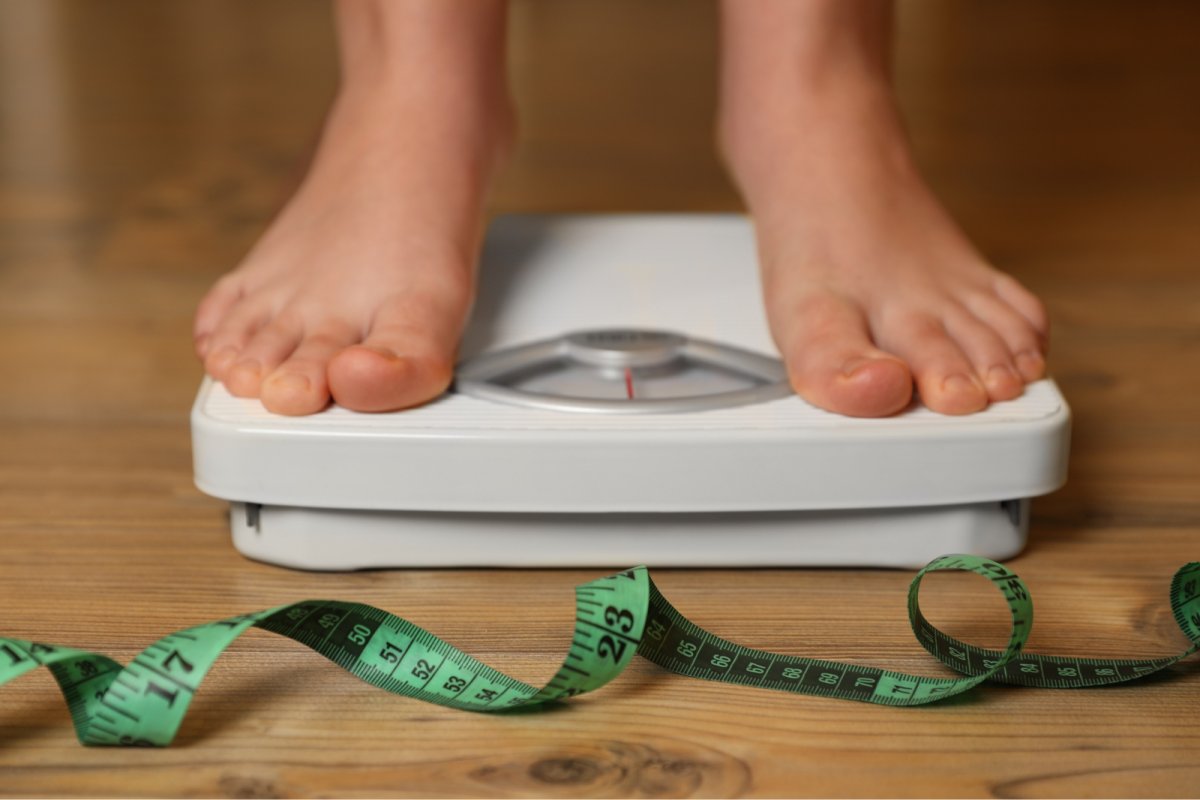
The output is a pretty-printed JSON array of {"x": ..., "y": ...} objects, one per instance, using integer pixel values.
[{"x": 619, "y": 401}]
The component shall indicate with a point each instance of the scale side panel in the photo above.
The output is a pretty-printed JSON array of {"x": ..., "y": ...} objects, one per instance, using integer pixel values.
[{"x": 572, "y": 472}]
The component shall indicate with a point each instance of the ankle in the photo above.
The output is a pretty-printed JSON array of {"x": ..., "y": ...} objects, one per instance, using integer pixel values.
[
  {"x": 441, "y": 65},
  {"x": 777, "y": 143},
  {"x": 798, "y": 59},
  {"x": 477, "y": 124}
]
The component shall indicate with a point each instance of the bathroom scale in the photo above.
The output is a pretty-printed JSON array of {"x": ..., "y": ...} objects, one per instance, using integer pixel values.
[{"x": 618, "y": 400}]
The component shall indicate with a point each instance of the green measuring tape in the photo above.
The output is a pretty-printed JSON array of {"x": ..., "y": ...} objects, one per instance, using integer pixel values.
[{"x": 616, "y": 617}]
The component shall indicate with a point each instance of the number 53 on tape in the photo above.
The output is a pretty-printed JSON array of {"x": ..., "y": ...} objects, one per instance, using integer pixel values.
[{"x": 616, "y": 617}]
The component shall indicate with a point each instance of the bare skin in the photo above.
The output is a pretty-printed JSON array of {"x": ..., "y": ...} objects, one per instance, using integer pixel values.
[
  {"x": 870, "y": 287},
  {"x": 360, "y": 289}
]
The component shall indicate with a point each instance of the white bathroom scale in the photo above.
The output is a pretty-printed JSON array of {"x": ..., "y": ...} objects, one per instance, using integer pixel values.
[{"x": 619, "y": 401}]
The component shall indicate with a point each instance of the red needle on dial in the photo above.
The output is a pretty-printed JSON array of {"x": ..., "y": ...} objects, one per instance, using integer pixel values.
[{"x": 629, "y": 382}]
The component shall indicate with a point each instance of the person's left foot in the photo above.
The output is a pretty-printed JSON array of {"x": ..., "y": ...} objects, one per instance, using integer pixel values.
[{"x": 869, "y": 285}]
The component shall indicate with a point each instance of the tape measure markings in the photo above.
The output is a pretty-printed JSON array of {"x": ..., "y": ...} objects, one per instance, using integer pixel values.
[{"x": 617, "y": 617}]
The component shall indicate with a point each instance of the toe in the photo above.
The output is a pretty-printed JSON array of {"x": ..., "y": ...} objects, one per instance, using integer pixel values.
[
  {"x": 1025, "y": 343},
  {"x": 212, "y": 309},
  {"x": 406, "y": 359},
  {"x": 945, "y": 377},
  {"x": 388, "y": 373},
  {"x": 224, "y": 346},
  {"x": 299, "y": 386},
  {"x": 1032, "y": 364},
  {"x": 1001, "y": 380},
  {"x": 989, "y": 355},
  {"x": 832, "y": 361},
  {"x": 269, "y": 347},
  {"x": 1025, "y": 302}
]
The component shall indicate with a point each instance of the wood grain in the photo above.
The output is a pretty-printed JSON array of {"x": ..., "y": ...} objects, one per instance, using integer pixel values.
[{"x": 143, "y": 145}]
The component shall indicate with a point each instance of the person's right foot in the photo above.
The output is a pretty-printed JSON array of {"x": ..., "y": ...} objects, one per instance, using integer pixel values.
[{"x": 359, "y": 290}]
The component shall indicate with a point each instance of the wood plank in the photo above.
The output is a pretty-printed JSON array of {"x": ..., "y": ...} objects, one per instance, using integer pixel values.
[{"x": 162, "y": 136}]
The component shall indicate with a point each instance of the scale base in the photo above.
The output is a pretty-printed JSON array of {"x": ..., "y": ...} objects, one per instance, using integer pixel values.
[{"x": 338, "y": 539}]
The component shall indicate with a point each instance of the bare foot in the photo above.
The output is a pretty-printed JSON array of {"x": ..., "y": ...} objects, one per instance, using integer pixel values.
[
  {"x": 360, "y": 288},
  {"x": 870, "y": 287}
]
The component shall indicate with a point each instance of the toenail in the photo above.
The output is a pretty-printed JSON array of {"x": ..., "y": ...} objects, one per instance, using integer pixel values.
[
  {"x": 855, "y": 364},
  {"x": 1000, "y": 376},
  {"x": 291, "y": 382},
  {"x": 962, "y": 384},
  {"x": 1031, "y": 363},
  {"x": 223, "y": 356},
  {"x": 249, "y": 365},
  {"x": 383, "y": 351}
]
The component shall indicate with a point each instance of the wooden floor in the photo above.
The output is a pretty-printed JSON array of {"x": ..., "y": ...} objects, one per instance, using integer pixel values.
[{"x": 144, "y": 144}]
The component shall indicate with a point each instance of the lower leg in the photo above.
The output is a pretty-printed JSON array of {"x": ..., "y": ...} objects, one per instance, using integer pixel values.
[
  {"x": 870, "y": 285},
  {"x": 360, "y": 287}
]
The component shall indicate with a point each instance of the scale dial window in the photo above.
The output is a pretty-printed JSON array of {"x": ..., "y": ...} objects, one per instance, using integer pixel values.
[{"x": 622, "y": 371}]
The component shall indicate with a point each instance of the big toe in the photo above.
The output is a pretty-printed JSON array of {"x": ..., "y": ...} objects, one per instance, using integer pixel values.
[
  {"x": 377, "y": 377},
  {"x": 869, "y": 384},
  {"x": 833, "y": 362}
]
